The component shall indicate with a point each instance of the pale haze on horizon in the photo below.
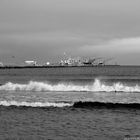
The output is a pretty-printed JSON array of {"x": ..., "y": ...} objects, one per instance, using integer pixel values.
[{"x": 45, "y": 29}]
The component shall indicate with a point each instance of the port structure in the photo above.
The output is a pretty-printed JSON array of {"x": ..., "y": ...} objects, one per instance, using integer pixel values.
[{"x": 84, "y": 62}]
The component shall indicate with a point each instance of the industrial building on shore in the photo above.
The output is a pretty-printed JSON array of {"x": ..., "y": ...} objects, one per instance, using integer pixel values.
[{"x": 69, "y": 61}]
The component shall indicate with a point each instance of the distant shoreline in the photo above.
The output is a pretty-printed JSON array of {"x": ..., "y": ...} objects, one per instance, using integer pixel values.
[{"x": 55, "y": 66}]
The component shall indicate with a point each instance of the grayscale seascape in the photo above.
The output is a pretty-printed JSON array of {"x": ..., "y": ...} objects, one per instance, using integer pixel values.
[
  {"x": 69, "y": 69},
  {"x": 39, "y": 103}
]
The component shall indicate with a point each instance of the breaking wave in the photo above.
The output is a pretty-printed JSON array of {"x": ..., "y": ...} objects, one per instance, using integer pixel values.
[
  {"x": 33, "y": 104},
  {"x": 97, "y": 86},
  {"x": 79, "y": 104}
]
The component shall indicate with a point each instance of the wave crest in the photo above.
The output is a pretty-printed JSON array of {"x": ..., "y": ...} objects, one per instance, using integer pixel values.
[
  {"x": 97, "y": 86},
  {"x": 78, "y": 104},
  {"x": 33, "y": 104}
]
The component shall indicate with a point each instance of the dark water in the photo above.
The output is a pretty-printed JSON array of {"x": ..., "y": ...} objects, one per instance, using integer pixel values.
[{"x": 70, "y": 103}]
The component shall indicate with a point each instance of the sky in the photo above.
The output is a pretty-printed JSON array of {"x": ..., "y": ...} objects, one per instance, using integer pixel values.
[{"x": 44, "y": 29}]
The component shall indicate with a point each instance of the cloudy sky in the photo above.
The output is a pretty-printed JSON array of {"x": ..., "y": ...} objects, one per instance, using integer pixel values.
[{"x": 45, "y": 29}]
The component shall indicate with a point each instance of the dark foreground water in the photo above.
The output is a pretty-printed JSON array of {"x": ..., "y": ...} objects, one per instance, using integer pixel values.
[
  {"x": 70, "y": 103},
  {"x": 68, "y": 123}
]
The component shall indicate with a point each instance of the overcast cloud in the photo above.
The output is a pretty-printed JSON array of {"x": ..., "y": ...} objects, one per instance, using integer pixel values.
[{"x": 45, "y": 29}]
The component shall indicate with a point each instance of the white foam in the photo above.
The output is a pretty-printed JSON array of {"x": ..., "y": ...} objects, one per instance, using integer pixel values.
[
  {"x": 33, "y": 104},
  {"x": 97, "y": 86}
]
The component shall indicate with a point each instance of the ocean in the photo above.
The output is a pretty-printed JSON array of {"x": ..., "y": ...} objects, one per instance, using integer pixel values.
[{"x": 70, "y": 103}]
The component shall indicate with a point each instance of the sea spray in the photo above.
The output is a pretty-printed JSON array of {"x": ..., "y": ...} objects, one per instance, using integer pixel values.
[{"x": 97, "y": 86}]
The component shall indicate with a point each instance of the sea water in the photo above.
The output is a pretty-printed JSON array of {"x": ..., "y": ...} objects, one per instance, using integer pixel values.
[{"x": 70, "y": 103}]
